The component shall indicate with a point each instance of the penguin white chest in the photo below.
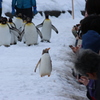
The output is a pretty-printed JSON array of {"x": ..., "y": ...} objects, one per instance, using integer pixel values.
[
  {"x": 45, "y": 67},
  {"x": 46, "y": 30},
  {"x": 31, "y": 35},
  {"x": 19, "y": 23},
  {"x": 5, "y": 36}
]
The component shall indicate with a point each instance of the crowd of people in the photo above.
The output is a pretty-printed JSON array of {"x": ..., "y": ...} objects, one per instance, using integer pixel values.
[{"x": 87, "y": 63}]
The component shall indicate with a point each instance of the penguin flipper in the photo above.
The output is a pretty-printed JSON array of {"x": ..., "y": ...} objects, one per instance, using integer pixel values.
[
  {"x": 39, "y": 32},
  {"x": 37, "y": 65},
  {"x": 13, "y": 25},
  {"x": 21, "y": 35},
  {"x": 54, "y": 28},
  {"x": 40, "y": 25},
  {"x": 15, "y": 31}
]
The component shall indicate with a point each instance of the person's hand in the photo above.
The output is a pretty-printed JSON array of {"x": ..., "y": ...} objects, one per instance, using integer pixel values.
[
  {"x": 74, "y": 49},
  {"x": 84, "y": 80},
  {"x": 13, "y": 11},
  {"x": 35, "y": 10}
]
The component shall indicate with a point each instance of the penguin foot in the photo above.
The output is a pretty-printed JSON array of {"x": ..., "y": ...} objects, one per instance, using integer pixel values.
[
  {"x": 7, "y": 45},
  {"x": 35, "y": 43},
  {"x": 45, "y": 41},
  {"x": 41, "y": 75},
  {"x": 48, "y": 75},
  {"x": 42, "y": 40},
  {"x": 29, "y": 44},
  {"x": 24, "y": 42},
  {"x": 11, "y": 43},
  {"x": 14, "y": 43},
  {"x": 48, "y": 41}
]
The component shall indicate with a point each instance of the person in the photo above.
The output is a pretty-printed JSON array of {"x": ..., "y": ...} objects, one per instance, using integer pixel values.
[
  {"x": 88, "y": 64},
  {"x": 92, "y": 7},
  {"x": 89, "y": 29},
  {"x": 90, "y": 33},
  {"x": 0, "y": 8},
  {"x": 26, "y": 7}
]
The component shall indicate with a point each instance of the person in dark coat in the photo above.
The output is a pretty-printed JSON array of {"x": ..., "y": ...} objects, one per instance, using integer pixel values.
[
  {"x": 92, "y": 7},
  {"x": 25, "y": 7}
]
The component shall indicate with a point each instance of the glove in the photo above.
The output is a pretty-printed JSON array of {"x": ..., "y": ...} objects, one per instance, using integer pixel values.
[
  {"x": 35, "y": 11},
  {"x": 13, "y": 10}
]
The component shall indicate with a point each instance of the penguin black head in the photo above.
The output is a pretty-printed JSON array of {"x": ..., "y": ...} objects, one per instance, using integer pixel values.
[
  {"x": 47, "y": 16},
  {"x": 19, "y": 15},
  {"x": 24, "y": 17},
  {"x": 1, "y": 19},
  {"x": 10, "y": 20},
  {"x": 4, "y": 20},
  {"x": 45, "y": 51},
  {"x": 29, "y": 20}
]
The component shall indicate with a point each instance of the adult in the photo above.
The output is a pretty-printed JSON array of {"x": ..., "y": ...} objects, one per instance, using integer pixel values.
[
  {"x": 92, "y": 7},
  {"x": 88, "y": 64},
  {"x": 26, "y": 7}
]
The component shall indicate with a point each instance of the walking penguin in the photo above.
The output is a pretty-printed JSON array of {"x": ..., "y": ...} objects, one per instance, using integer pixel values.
[
  {"x": 5, "y": 36},
  {"x": 45, "y": 64},
  {"x": 46, "y": 29},
  {"x": 31, "y": 33}
]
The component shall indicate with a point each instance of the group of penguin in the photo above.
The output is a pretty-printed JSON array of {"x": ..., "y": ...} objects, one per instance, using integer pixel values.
[{"x": 21, "y": 28}]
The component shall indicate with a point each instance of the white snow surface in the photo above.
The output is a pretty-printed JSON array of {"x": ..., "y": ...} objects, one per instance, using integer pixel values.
[{"x": 18, "y": 81}]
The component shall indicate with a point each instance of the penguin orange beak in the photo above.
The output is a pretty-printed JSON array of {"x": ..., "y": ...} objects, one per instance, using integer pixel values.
[{"x": 48, "y": 48}]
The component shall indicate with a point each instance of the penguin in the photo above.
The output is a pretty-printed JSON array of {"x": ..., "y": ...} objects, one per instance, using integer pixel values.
[
  {"x": 46, "y": 29},
  {"x": 5, "y": 36},
  {"x": 24, "y": 22},
  {"x": 45, "y": 63},
  {"x": 31, "y": 33},
  {"x": 18, "y": 22},
  {"x": 14, "y": 32}
]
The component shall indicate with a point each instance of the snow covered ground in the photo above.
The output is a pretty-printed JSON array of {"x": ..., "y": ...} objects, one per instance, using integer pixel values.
[{"x": 18, "y": 81}]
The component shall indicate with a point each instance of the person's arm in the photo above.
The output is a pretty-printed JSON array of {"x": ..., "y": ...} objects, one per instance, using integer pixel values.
[
  {"x": 13, "y": 3},
  {"x": 13, "y": 6},
  {"x": 34, "y": 7}
]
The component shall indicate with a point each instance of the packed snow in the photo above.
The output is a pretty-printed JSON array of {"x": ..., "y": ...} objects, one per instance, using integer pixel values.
[{"x": 18, "y": 81}]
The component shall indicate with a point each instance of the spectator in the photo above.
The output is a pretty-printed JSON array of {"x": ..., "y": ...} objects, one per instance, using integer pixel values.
[
  {"x": 90, "y": 40},
  {"x": 88, "y": 64},
  {"x": 92, "y": 7},
  {"x": 26, "y": 7}
]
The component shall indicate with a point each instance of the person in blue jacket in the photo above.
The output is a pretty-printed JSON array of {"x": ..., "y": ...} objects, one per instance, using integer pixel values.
[
  {"x": 25, "y": 7},
  {"x": 0, "y": 8}
]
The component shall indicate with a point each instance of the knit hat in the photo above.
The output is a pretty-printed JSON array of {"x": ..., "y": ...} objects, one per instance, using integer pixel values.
[{"x": 91, "y": 40}]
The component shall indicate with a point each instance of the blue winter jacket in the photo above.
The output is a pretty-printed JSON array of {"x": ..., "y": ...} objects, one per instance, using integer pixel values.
[
  {"x": 23, "y": 4},
  {"x": 0, "y": 3}
]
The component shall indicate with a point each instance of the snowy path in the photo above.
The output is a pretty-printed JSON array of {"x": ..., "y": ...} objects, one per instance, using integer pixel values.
[{"x": 19, "y": 82}]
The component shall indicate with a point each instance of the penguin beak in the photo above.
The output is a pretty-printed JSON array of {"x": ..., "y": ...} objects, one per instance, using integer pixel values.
[{"x": 48, "y": 48}]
